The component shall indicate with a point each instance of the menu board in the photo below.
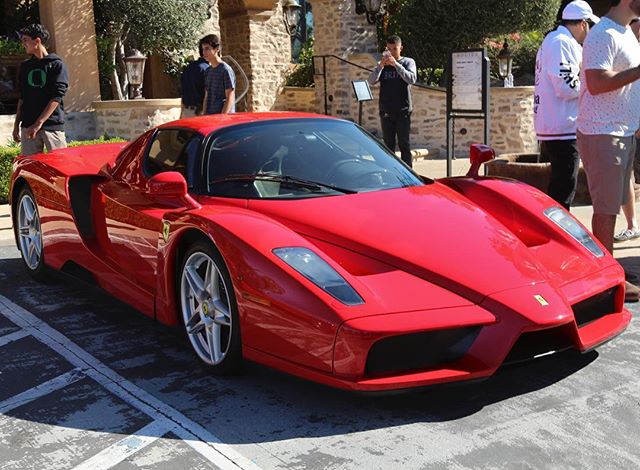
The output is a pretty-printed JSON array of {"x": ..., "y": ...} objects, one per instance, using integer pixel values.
[{"x": 466, "y": 80}]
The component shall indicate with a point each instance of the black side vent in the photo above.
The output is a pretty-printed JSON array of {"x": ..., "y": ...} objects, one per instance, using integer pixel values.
[
  {"x": 80, "y": 196},
  {"x": 595, "y": 307},
  {"x": 538, "y": 343},
  {"x": 419, "y": 350}
]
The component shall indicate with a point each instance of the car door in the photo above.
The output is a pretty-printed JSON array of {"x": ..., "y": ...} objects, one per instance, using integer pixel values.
[{"x": 134, "y": 217}]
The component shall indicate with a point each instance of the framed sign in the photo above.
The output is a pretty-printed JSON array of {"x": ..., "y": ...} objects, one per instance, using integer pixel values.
[
  {"x": 362, "y": 90},
  {"x": 468, "y": 84}
]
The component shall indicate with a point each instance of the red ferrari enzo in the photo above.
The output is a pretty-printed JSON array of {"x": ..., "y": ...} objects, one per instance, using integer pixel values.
[{"x": 298, "y": 241}]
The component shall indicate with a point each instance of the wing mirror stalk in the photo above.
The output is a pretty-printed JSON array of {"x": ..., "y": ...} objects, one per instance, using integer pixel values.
[{"x": 479, "y": 154}]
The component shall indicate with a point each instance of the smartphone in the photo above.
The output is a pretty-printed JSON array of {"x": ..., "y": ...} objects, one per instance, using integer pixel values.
[{"x": 386, "y": 53}]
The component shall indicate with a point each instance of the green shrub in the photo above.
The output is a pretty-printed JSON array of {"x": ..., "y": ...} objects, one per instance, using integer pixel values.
[
  {"x": 7, "y": 154},
  {"x": 11, "y": 47},
  {"x": 302, "y": 75}
]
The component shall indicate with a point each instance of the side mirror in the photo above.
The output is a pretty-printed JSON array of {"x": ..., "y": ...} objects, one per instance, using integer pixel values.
[
  {"x": 479, "y": 154},
  {"x": 169, "y": 184}
]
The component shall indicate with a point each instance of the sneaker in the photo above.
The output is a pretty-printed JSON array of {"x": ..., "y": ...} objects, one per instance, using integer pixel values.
[
  {"x": 631, "y": 292},
  {"x": 626, "y": 234}
]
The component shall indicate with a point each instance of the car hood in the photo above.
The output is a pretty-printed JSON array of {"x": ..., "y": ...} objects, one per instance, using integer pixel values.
[{"x": 429, "y": 231}]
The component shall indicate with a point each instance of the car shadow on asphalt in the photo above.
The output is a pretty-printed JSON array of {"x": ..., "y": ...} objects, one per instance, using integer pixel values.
[{"x": 263, "y": 405}]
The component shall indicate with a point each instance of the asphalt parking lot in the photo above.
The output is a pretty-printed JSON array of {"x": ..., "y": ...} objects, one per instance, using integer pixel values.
[{"x": 86, "y": 382}]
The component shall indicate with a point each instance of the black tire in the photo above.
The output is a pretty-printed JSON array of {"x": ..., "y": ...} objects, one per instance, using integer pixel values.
[
  {"x": 209, "y": 313},
  {"x": 29, "y": 236}
]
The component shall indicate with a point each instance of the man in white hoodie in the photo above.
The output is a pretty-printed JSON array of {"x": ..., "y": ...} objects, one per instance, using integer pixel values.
[{"x": 557, "y": 89}]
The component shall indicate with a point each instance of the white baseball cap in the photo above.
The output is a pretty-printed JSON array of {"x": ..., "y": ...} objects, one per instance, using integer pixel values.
[{"x": 579, "y": 10}]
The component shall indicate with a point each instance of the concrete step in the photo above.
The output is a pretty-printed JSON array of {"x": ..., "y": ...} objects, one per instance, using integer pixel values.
[{"x": 422, "y": 154}]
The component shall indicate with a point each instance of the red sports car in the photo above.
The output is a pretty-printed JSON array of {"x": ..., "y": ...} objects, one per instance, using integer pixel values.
[{"x": 298, "y": 241}]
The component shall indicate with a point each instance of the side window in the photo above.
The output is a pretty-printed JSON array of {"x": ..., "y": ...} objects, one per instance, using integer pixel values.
[{"x": 173, "y": 150}]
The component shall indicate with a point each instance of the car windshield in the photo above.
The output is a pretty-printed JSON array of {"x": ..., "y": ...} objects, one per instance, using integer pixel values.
[{"x": 295, "y": 158}]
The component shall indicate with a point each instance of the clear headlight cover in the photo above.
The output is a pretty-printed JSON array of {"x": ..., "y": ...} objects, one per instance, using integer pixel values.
[
  {"x": 566, "y": 222},
  {"x": 314, "y": 268}
]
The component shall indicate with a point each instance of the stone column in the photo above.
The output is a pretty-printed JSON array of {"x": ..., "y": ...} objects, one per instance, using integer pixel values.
[
  {"x": 340, "y": 32},
  {"x": 72, "y": 26},
  {"x": 253, "y": 32}
]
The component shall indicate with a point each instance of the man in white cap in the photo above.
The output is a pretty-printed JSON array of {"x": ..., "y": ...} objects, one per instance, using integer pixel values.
[
  {"x": 608, "y": 115},
  {"x": 556, "y": 98}
]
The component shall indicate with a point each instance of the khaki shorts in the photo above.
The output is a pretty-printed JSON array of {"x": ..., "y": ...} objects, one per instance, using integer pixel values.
[
  {"x": 188, "y": 112},
  {"x": 608, "y": 161},
  {"x": 50, "y": 139}
]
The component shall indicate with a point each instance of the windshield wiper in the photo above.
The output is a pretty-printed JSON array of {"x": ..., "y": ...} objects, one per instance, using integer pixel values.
[{"x": 290, "y": 180}]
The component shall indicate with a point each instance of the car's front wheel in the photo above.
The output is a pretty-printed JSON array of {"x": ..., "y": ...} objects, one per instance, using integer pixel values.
[
  {"x": 209, "y": 309},
  {"x": 30, "y": 235}
]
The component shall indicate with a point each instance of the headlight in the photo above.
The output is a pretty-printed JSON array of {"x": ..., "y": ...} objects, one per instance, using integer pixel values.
[
  {"x": 566, "y": 222},
  {"x": 314, "y": 268}
]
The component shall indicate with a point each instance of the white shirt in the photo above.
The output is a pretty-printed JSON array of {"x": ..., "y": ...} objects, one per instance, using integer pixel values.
[
  {"x": 610, "y": 46},
  {"x": 557, "y": 89}
]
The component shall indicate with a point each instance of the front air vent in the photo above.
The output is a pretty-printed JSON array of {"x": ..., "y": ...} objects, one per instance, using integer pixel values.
[
  {"x": 595, "y": 307},
  {"x": 419, "y": 351},
  {"x": 539, "y": 343}
]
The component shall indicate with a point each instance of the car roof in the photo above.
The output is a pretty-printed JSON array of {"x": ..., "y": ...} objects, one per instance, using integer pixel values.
[{"x": 212, "y": 122}]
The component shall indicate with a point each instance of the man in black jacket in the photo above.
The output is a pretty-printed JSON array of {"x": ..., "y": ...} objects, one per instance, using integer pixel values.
[
  {"x": 396, "y": 74},
  {"x": 42, "y": 83}
]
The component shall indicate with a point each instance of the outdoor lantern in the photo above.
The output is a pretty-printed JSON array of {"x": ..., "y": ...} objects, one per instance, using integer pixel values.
[
  {"x": 505, "y": 63},
  {"x": 135, "y": 72},
  {"x": 292, "y": 12},
  {"x": 372, "y": 8}
]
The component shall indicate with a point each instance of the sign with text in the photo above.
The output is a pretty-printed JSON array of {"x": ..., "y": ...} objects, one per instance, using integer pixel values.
[
  {"x": 467, "y": 73},
  {"x": 362, "y": 90}
]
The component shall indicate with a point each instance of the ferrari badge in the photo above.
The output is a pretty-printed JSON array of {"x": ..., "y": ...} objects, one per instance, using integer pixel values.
[
  {"x": 166, "y": 227},
  {"x": 541, "y": 300}
]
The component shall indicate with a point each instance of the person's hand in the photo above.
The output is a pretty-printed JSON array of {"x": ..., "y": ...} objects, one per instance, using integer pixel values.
[
  {"x": 391, "y": 61},
  {"x": 16, "y": 134},
  {"x": 33, "y": 130}
]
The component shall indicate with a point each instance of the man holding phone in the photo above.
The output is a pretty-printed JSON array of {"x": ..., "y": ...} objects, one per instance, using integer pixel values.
[
  {"x": 219, "y": 81},
  {"x": 396, "y": 74}
]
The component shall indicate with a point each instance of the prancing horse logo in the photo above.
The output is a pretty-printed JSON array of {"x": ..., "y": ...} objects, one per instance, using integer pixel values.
[
  {"x": 166, "y": 227},
  {"x": 541, "y": 300}
]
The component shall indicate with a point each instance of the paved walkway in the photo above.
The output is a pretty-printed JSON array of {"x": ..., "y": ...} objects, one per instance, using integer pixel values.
[{"x": 628, "y": 253}]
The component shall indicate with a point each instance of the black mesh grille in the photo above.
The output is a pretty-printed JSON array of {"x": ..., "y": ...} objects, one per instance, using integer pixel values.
[
  {"x": 595, "y": 307},
  {"x": 419, "y": 350}
]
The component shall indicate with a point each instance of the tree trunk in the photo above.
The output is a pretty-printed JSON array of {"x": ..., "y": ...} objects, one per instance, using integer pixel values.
[{"x": 115, "y": 79}]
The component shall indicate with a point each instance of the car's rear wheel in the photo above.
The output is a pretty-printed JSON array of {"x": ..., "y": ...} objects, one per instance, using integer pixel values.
[
  {"x": 209, "y": 309},
  {"x": 30, "y": 235}
]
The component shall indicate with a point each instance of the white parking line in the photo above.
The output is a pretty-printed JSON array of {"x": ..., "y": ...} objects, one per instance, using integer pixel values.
[
  {"x": 116, "y": 453},
  {"x": 200, "y": 439},
  {"x": 11, "y": 337},
  {"x": 41, "y": 390}
]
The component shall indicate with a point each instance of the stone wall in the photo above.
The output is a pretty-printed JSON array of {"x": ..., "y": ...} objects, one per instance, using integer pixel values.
[
  {"x": 128, "y": 119},
  {"x": 77, "y": 126},
  {"x": 291, "y": 98},
  {"x": 341, "y": 33},
  {"x": 6, "y": 129},
  {"x": 253, "y": 32},
  {"x": 511, "y": 111}
]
